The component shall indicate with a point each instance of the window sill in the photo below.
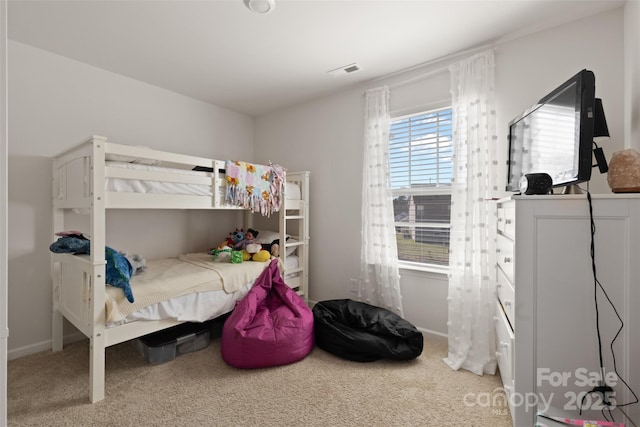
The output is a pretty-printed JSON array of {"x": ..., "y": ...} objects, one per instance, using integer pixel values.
[{"x": 435, "y": 269}]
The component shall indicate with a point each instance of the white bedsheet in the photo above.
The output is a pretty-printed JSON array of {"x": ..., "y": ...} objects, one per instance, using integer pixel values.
[
  {"x": 157, "y": 187},
  {"x": 292, "y": 190},
  {"x": 198, "y": 307}
]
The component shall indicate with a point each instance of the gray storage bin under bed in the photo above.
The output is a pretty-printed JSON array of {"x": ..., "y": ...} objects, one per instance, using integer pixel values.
[{"x": 164, "y": 346}]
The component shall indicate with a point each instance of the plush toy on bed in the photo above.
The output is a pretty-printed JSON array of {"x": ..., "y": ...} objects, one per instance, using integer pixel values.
[
  {"x": 250, "y": 249},
  {"x": 245, "y": 243},
  {"x": 120, "y": 265},
  {"x": 254, "y": 252},
  {"x": 138, "y": 263},
  {"x": 247, "y": 238},
  {"x": 222, "y": 254},
  {"x": 226, "y": 252},
  {"x": 234, "y": 237}
]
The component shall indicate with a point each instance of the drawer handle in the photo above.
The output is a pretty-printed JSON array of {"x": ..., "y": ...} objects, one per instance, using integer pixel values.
[
  {"x": 507, "y": 302},
  {"x": 507, "y": 221},
  {"x": 498, "y": 285},
  {"x": 504, "y": 345},
  {"x": 507, "y": 259}
]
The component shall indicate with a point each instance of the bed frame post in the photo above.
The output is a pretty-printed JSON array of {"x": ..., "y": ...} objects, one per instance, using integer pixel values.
[
  {"x": 96, "y": 368},
  {"x": 304, "y": 230},
  {"x": 97, "y": 308},
  {"x": 57, "y": 319}
]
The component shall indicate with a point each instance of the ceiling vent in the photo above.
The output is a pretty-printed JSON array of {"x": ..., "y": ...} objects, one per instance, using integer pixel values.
[{"x": 347, "y": 69}]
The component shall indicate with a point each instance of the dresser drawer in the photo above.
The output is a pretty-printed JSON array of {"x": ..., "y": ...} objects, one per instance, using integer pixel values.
[
  {"x": 504, "y": 255},
  {"x": 501, "y": 214},
  {"x": 504, "y": 352},
  {"x": 506, "y": 295},
  {"x": 507, "y": 219}
]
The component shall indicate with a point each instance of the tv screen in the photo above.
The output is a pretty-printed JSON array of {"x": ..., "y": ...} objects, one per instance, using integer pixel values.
[{"x": 555, "y": 136}]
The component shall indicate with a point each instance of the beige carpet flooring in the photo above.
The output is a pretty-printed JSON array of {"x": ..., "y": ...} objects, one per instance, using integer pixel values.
[{"x": 199, "y": 389}]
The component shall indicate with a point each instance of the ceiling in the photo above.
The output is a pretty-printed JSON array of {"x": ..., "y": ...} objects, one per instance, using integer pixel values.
[{"x": 221, "y": 53}]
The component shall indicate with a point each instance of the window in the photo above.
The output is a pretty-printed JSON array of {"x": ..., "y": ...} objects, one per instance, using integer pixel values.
[{"x": 421, "y": 168}]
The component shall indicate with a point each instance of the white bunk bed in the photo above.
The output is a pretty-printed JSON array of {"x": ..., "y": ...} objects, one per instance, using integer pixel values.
[{"x": 85, "y": 180}]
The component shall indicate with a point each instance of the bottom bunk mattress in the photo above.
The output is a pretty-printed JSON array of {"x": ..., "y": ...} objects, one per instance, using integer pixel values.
[{"x": 185, "y": 291}]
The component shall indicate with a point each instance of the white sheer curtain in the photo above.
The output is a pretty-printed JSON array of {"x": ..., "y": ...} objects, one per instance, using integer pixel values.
[
  {"x": 472, "y": 259},
  {"x": 379, "y": 273}
]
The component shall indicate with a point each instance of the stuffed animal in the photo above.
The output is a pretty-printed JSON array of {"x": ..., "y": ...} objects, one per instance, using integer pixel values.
[
  {"x": 273, "y": 247},
  {"x": 244, "y": 243},
  {"x": 222, "y": 254},
  {"x": 250, "y": 249},
  {"x": 138, "y": 263},
  {"x": 247, "y": 239},
  {"x": 234, "y": 237},
  {"x": 237, "y": 236},
  {"x": 254, "y": 252},
  {"x": 120, "y": 265},
  {"x": 236, "y": 257}
]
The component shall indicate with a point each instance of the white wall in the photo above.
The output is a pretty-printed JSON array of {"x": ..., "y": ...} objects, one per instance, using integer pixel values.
[
  {"x": 54, "y": 104},
  {"x": 632, "y": 74},
  {"x": 326, "y": 137}
]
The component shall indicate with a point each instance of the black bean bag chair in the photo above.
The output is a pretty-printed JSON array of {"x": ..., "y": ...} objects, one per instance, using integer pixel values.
[{"x": 362, "y": 332}]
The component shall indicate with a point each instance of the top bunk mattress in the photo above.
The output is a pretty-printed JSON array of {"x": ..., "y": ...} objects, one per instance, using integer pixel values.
[{"x": 131, "y": 185}]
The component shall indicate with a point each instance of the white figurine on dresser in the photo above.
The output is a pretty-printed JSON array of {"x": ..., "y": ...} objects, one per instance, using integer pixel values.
[{"x": 548, "y": 351}]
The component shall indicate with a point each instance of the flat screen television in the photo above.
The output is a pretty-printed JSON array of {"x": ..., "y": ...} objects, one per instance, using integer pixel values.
[{"x": 555, "y": 136}]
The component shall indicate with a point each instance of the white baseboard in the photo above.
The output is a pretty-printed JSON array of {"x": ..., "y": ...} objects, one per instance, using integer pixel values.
[
  {"x": 78, "y": 336},
  {"x": 16, "y": 353},
  {"x": 435, "y": 334}
]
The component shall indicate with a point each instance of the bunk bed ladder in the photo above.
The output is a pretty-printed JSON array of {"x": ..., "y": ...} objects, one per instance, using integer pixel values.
[{"x": 298, "y": 215}]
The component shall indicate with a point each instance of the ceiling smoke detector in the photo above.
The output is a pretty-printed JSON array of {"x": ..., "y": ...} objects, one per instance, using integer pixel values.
[
  {"x": 260, "y": 6},
  {"x": 347, "y": 69}
]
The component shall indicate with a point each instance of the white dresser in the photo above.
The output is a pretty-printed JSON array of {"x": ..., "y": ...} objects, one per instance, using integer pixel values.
[{"x": 545, "y": 309}]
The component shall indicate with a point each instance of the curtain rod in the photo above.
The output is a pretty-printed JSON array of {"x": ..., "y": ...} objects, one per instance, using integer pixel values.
[
  {"x": 419, "y": 77},
  {"x": 413, "y": 79},
  {"x": 437, "y": 70}
]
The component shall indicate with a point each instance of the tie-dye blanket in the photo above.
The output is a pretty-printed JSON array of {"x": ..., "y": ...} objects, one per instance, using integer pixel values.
[{"x": 259, "y": 188}]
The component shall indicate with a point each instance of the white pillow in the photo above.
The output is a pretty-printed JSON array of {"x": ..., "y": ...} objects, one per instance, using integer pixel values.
[{"x": 268, "y": 236}]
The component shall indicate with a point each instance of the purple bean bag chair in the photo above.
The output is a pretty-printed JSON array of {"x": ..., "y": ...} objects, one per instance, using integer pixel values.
[{"x": 270, "y": 326}]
